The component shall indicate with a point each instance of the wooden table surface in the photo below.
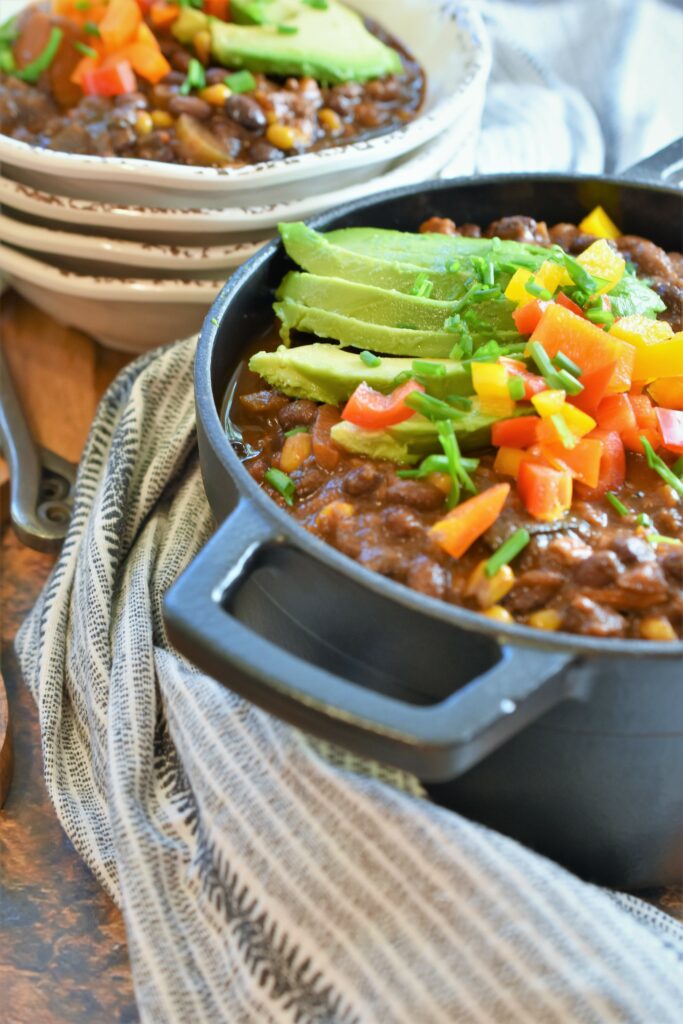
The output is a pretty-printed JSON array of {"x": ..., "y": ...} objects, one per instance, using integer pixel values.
[{"x": 63, "y": 957}]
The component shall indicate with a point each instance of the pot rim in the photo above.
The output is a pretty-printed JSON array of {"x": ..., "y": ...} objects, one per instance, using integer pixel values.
[{"x": 290, "y": 530}]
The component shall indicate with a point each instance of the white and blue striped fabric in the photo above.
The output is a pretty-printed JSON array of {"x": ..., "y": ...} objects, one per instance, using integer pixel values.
[{"x": 262, "y": 878}]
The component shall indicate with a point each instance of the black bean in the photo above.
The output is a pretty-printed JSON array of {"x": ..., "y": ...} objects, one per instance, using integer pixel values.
[
  {"x": 245, "y": 111},
  {"x": 599, "y": 570},
  {"x": 428, "y": 577},
  {"x": 632, "y": 549},
  {"x": 533, "y": 590},
  {"x": 418, "y": 494},
  {"x": 362, "y": 480},
  {"x": 173, "y": 78},
  {"x": 300, "y": 413},
  {"x": 587, "y": 617},
  {"x": 192, "y": 105},
  {"x": 261, "y": 152},
  {"x": 401, "y": 522}
]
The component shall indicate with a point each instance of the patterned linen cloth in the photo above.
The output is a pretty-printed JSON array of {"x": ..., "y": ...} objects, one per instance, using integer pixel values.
[{"x": 258, "y": 880}]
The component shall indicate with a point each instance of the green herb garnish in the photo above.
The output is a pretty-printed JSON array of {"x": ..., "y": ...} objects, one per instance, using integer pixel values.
[
  {"x": 600, "y": 316},
  {"x": 658, "y": 538},
  {"x": 241, "y": 81},
  {"x": 369, "y": 358},
  {"x": 423, "y": 368},
  {"x": 507, "y": 551},
  {"x": 195, "y": 79},
  {"x": 297, "y": 430},
  {"x": 563, "y": 362},
  {"x": 91, "y": 29},
  {"x": 460, "y": 402},
  {"x": 288, "y": 30},
  {"x": 677, "y": 467},
  {"x": 88, "y": 51},
  {"x": 283, "y": 484},
  {"x": 579, "y": 274},
  {"x": 537, "y": 290},
  {"x": 32, "y": 72},
  {"x": 660, "y": 467},
  {"x": 319, "y": 5},
  {"x": 565, "y": 435},
  {"x": 516, "y": 389},
  {"x": 545, "y": 367},
  {"x": 9, "y": 30},
  {"x": 7, "y": 62},
  {"x": 423, "y": 287},
  {"x": 617, "y": 505},
  {"x": 435, "y": 464},
  {"x": 569, "y": 383},
  {"x": 433, "y": 408},
  {"x": 453, "y": 267},
  {"x": 456, "y": 470}
]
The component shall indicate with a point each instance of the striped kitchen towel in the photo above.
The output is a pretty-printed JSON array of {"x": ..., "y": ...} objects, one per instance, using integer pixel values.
[{"x": 259, "y": 880}]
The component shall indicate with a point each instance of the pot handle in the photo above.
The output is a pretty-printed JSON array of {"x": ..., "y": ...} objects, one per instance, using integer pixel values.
[
  {"x": 659, "y": 168},
  {"x": 436, "y": 742}
]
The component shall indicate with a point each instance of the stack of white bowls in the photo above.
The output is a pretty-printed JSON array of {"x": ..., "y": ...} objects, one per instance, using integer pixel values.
[{"x": 133, "y": 252}]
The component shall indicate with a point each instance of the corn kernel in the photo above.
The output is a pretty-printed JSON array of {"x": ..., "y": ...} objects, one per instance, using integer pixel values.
[
  {"x": 547, "y": 403},
  {"x": 161, "y": 118},
  {"x": 143, "y": 123},
  {"x": 329, "y": 515},
  {"x": 597, "y": 222},
  {"x": 600, "y": 260},
  {"x": 202, "y": 45},
  {"x": 281, "y": 136},
  {"x": 329, "y": 119},
  {"x": 216, "y": 94},
  {"x": 547, "y": 618},
  {"x": 498, "y": 613},
  {"x": 488, "y": 591},
  {"x": 657, "y": 627}
]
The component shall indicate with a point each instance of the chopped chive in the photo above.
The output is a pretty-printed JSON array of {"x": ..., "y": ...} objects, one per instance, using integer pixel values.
[
  {"x": 487, "y": 353},
  {"x": 516, "y": 389},
  {"x": 297, "y": 430},
  {"x": 7, "y": 62},
  {"x": 579, "y": 274},
  {"x": 82, "y": 5},
  {"x": 569, "y": 383},
  {"x": 537, "y": 290},
  {"x": 423, "y": 287},
  {"x": 565, "y": 363},
  {"x": 658, "y": 538},
  {"x": 643, "y": 519},
  {"x": 89, "y": 51},
  {"x": 453, "y": 267},
  {"x": 91, "y": 29},
  {"x": 617, "y": 505},
  {"x": 435, "y": 464},
  {"x": 677, "y": 467},
  {"x": 32, "y": 72},
  {"x": 319, "y": 5},
  {"x": 660, "y": 467},
  {"x": 484, "y": 269},
  {"x": 460, "y": 402},
  {"x": 214, "y": 321},
  {"x": 240, "y": 81},
  {"x": 567, "y": 439},
  {"x": 369, "y": 358},
  {"x": 542, "y": 360},
  {"x": 433, "y": 408},
  {"x": 283, "y": 484},
  {"x": 401, "y": 378},
  {"x": 288, "y": 30},
  {"x": 456, "y": 468},
  {"x": 9, "y": 30},
  {"x": 479, "y": 294},
  {"x": 507, "y": 551},
  {"x": 600, "y": 316},
  {"x": 195, "y": 79},
  {"x": 464, "y": 299},
  {"x": 421, "y": 366}
]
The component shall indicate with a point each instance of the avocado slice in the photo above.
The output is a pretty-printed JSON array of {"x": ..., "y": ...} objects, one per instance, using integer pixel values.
[
  {"x": 330, "y": 44},
  {"x": 350, "y": 332},
  {"x": 312, "y": 251},
  {"x": 326, "y": 373},
  {"x": 416, "y": 437},
  {"x": 366, "y": 302}
]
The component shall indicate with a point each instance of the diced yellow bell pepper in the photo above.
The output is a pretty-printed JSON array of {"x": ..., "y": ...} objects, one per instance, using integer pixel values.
[
  {"x": 659, "y": 352},
  {"x": 579, "y": 422},
  {"x": 499, "y": 407},
  {"x": 547, "y": 403},
  {"x": 667, "y": 392},
  {"x": 598, "y": 223},
  {"x": 490, "y": 380},
  {"x": 549, "y": 275},
  {"x": 508, "y": 461},
  {"x": 600, "y": 260},
  {"x": 516, "y": 291}
]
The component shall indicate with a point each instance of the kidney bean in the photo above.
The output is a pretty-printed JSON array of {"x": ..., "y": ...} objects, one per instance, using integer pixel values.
[
  {"x": 215, "y": 75},
  {"x": 362, "y": 480},
  {"x": 299, "y": 413},
  {"x": 192, "y": 105},
  {"x": 261, "y": 151},
  {"x": 246, "y": 111}
]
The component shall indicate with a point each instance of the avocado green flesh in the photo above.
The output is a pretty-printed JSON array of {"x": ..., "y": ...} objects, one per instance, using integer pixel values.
[
  {"x": 359, "y": 334},
  {"x": 366, "y": 302},
  {"x": 326, "y": 373},
  {"x": 416, "y": 437},
  {"x": 314, "y": 253},
  {"x": 331, "y": 44},
  {"x": 430, "y": 250}
]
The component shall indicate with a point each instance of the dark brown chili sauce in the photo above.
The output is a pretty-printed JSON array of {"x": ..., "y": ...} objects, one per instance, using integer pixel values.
[
  {"x": 594, "y": 567},
  {"x": 54, "y": 114}
]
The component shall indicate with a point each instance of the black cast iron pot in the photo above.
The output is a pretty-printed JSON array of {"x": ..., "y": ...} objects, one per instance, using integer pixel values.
[{"x": 571, "y": 744}]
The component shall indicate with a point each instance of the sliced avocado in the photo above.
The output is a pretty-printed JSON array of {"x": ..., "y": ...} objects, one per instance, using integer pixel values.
[
  {"x": 326, "y": 373},
  {"x": 331, "y": 43},
  {"x": 366, "y": 302},
  {"x": 312, "y": 251},
  {"x": 359, "y": 334},
  {"x": 418, "y": 436},
  {"x": 264, "y": 12},
  {"x": 430, "y": 250},
  {"x": 189, "y": 22}
]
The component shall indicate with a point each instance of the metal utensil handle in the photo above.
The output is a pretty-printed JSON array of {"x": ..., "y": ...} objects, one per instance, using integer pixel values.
[
  {"x": 39, "y": 508},
  {"x": 660, "y": 167},
  {"x": 436, "y": 742}
]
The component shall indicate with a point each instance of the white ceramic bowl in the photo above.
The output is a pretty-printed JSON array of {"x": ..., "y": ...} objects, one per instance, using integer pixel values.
[
  {"x": 446, "y": 36},
  {"x": 130, "y": 314},
  {"x": 230, "y": 226}
]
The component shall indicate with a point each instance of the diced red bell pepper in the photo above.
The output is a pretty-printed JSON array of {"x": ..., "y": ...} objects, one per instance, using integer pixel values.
[
  {"x": 569, "y": 304},
  {"x": 644, "y": 411},
  {"x": 119, "y": 25},
  {"x": 612, "y": 464},
  {"x": 519, "y": 432},
  {"x": 585, "y": 343},
  {"x": 526, "y": 317},
  {"x": 583, "y": 461},
  {"x": 533, "y": 383},
  {"x": 546, "y": 492},
  {"x": 217, "y": 8},
  {"x": 595, "y": 387},
  {"x": 114, "y": 80},
  {"x": 632, "y": 442},
  {"x": 671, "y": 428},
  {"x": 457, "y": 531},
  {"x": 372, "y": 410},
  {"x": 616, "y": 413}
]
